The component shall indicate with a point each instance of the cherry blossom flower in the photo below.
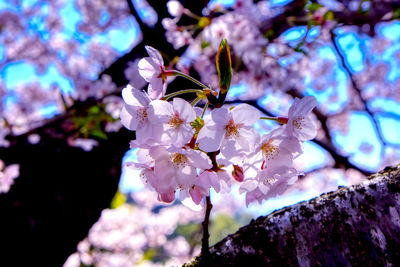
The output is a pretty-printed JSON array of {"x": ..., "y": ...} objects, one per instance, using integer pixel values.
[
  {"x": 152, "y": 70},
  {"x": 175, "y": 118},
  {"x": 269, "y": 182},
  {"x": 134, "y": 115},
  {"x": 224, "y": 125},
  {"x": 275, "y": 149},
  {"x": 176, "y": 168},
  {"x": 300, "y": 123}
]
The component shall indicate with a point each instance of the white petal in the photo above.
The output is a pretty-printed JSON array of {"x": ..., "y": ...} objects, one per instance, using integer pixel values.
[
  {"x": 188, "y": 202},
  {"x": 134, "y": 97},
  {"x": 302, "y": 107},
  {"x": 199, "y": 160},
  {"x": 263, "y": 188},
  {"x": 247, "y": 138},
  {"x": 248, "y": 186},
  {"x": 232, "y": 152},
  {"x": 245, "y": 114},
  {"x": 184, "y": 109},
  {"x": 147, "y": 133},
  {"x": 180, "y": 136},
  {"x": 160, "y": 111},
  {"x": 306, "y": 105},
  {"x": 308, "y": 131},
  {"x": 155, "y": 55},
  {"x": 148, "y": 69},
  {"x": 127, "y": 120},
  {"x": 214, "y": 180},
  {"x": 210, "y": 138},
  {"x": 156, "y": 88},
  {"x": 220, "y": 116}
]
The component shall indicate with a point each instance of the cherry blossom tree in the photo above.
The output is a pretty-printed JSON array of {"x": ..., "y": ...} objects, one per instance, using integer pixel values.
[{"x": 287, "y": 77}]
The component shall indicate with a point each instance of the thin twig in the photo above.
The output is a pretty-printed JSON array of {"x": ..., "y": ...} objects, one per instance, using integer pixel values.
[{"x": 205, "y": 246}]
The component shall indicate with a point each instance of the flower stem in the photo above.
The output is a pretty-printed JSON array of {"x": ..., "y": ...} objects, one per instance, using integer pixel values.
[
  {"x": 195, "y": 101},
  {"x": 205, "y": 246},
  {"x": 189, "y": 13},
  {"x": 281, "y": 120},
  {"x": 178, "y": 73},
  {"x": 182, "y": 92},
  {"x": 268, "y": 118},
  {"x": 204, "y": 110}
]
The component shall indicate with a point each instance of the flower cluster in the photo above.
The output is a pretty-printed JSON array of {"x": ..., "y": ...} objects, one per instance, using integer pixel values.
[{"x": 184, "y": 149}]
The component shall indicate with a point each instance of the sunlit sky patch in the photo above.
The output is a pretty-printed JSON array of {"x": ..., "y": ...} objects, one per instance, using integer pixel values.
[{"x": 361, "y": 130}]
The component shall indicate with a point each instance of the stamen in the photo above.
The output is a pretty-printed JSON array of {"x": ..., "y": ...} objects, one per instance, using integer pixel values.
[
  {"x": 141, "y": 114},
  {"x": 269, "y": 181},
  {"x": 269, "y": 151},
  {"x": 232, "y": 129},
  {"x": 298, "y": 122},
  {"x": 178, "y": 160},
  {"x": 175, "y": 121}
]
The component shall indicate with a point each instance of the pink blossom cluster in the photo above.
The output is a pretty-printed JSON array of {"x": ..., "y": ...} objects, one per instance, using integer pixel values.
[
  {"x": 260, "y": 65},
  {"x": 123, "y": 236},
  {"x": 186, "y": 150},
  {"x": 73, "y": 60}
]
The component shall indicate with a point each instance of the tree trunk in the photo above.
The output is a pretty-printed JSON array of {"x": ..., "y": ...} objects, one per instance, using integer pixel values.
[{"x": 353, "y": 226}]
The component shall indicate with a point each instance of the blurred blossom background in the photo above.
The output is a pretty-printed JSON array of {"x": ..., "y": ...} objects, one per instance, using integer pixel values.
[{"x": 63, "y": 65}]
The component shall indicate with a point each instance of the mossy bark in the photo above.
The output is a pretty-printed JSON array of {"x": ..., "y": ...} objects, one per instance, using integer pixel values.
[{"x": 353, "y": 226}]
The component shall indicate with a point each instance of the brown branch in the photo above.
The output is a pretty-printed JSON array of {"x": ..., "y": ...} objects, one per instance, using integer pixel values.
[
  {"x": 294, "y": 14},
  {"x": 358, "y": 90}
]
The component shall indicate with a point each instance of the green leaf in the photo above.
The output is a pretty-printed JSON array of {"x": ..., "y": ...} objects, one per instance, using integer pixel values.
[{"x": 314, "y": 7}]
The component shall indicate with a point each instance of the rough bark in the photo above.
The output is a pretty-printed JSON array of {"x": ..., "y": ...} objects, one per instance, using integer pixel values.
[{"x": 353, "y": 226}]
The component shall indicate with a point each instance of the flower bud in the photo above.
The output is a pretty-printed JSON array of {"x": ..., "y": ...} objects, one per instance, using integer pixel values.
[
  {"x": 237, "y": 173},
  {"x": 224, "y": 67}
]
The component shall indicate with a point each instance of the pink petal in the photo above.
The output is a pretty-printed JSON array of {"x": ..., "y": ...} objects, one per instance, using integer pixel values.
[
  {"x": 196, "y": 195},
  {"x": 167, "y": 197}
]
